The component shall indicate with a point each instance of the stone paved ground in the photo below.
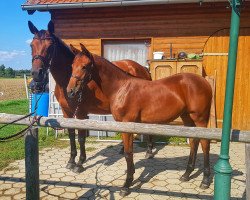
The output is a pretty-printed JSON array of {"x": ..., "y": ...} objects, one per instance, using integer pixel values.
[{"x": 157, "y": 178}]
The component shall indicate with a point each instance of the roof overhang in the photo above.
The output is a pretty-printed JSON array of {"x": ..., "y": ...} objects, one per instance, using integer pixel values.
[{"x": 113, "y": 3}]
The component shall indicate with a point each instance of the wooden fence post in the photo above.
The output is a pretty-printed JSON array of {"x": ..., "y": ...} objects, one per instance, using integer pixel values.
[
  {"x": 32, "y": 164},
  {"x": 247, "y": 171}
]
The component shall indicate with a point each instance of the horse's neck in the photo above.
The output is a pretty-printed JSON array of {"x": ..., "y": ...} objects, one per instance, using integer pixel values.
[
  {"x": 61, "y": 65},
  {"x": 111, "y": 77}
]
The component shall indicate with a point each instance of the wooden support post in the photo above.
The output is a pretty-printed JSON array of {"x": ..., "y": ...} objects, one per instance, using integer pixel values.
[
  {"x": 247, "y": 171},
  {"x": 32, "y": 164}
]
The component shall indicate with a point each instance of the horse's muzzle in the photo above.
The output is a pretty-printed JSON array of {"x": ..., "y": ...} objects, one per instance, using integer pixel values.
[{"x": 37, "y": 75}]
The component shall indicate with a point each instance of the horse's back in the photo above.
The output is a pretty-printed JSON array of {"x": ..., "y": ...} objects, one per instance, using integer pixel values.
[
  {"x": 183, "y": 93},
  {"x": 133, "y": 68}
]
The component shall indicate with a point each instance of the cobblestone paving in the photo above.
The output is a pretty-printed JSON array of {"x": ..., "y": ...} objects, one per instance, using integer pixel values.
[{"x": 104, "y": 174}]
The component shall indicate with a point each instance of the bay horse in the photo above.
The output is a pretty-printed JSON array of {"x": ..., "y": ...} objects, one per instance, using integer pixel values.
[
  {"x": 50, "y": 53},
  {"x": 136, "y": 100}
]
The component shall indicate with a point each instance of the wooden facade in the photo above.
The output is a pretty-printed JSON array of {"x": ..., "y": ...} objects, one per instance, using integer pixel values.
[{"x": 188, "y": 27}]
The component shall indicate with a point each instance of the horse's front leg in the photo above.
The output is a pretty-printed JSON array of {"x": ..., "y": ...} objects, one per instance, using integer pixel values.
[
  {"x": 81, "y": 139},
  {"x": 128, "y": 153},
  {"x": 194, "y": 144},
  {"x": 73, "y": 153}
]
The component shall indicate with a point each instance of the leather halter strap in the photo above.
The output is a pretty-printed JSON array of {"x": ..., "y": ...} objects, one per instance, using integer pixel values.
[{"x": 88, "y": 76}]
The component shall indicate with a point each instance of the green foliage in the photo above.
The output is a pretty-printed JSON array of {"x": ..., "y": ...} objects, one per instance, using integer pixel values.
[
  {"x": 170, "y": 140},
  {"x": 11, "y": 73}
]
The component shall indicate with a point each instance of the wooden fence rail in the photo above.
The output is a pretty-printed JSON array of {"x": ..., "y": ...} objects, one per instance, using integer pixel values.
[
  {"x": 127, "y": 127},
  {"x": 131, "y": 127}
]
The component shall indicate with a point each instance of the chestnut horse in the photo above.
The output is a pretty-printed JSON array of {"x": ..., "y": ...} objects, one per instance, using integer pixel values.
[
  {"x": 136, "y": 100},
  {"x": 51, "y": 53}
]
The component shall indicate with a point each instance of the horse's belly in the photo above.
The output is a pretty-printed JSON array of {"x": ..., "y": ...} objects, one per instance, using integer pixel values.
[{"x": 160, "y": 115}]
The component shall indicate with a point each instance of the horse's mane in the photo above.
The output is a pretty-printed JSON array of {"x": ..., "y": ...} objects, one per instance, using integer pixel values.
[
  {"x": 61, "y": 44},
  {"x": 64, "y": 45}
]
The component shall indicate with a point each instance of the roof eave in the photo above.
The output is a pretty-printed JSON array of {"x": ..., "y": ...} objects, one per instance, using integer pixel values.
[{"x": 118, "y": 3}]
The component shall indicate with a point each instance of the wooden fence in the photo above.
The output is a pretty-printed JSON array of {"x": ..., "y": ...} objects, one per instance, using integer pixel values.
[{"x": 31, "y": 143}]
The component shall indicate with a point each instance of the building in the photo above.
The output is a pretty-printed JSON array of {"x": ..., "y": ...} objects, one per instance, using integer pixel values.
[{"x": 137, "y": 28}]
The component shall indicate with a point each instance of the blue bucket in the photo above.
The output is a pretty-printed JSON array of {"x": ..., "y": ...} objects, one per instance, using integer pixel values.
[{"x": 42, "y": 101}]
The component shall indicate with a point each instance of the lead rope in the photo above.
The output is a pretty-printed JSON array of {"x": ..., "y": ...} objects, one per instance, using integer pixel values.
[
  {"x": 79, "y": 100},
  {"x": 22, "y": 132}
]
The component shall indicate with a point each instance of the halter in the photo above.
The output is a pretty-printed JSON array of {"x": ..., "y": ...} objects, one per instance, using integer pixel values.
[
  {"x": 86, "y": 79},
  {"x": 42, "y": 58}
]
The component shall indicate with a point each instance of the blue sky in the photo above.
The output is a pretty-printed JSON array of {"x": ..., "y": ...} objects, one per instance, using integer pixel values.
[{"x": 15, "y": 36}]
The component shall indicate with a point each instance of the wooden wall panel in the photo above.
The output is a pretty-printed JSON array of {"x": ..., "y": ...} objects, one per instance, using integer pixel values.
[
  {"x": 93, "y": 45},
  {"x": 191, "y": 44},
  {"x": 217, "y": 66}
]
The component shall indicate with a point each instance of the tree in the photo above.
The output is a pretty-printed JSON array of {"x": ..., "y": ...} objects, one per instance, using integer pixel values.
[
  {"x": 2, "y": 70},
  {"x": 9, "y": 72}
]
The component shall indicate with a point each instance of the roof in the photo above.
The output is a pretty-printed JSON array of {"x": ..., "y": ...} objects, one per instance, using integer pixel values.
[
  {"x": 33, "y": 2},
  {"x": 45, "y": 5}
]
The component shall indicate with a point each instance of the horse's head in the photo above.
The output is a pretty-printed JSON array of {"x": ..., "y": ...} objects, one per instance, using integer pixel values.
[
  {"x": 43, "y": 48},
  {"x": 82, "y": 68}
]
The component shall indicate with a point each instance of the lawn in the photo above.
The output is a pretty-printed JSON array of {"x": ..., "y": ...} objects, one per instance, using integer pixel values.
[{"x": 13, "y": 150}]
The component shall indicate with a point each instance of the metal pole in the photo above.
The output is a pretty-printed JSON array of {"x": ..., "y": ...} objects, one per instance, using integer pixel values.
[
  {"x": 32, "y": 165},
  {"x": 223, "y": 169}
]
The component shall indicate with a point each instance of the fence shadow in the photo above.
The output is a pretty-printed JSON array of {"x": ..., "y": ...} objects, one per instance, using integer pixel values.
[{"x": 110, "y": 155}]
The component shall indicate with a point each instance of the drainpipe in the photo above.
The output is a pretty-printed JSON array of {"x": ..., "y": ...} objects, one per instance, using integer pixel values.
[
  {"x": 223, "y": 170},
  {"x": 117, "y": 3}
]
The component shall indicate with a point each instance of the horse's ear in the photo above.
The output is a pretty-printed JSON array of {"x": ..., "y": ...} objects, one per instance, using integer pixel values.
[
  {"x": 32, "y": 28},
  {"x": 85, "y": 50},
  {"x": 51, "y": 28},
  {"x": 75, "y": 50}
]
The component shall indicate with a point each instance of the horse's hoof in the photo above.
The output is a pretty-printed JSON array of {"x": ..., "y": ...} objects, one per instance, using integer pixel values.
[
  {"x": 149, "y": 155},
  {"x": 204, "y": 184},
  {"x": 124, "y": 192},
  {"x": 78, "y": 169},
  {"x": 70, "y": 165},
  {"x": 184, "y": 178}
]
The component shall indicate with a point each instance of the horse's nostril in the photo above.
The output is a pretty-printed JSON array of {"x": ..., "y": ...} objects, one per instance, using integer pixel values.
[{"x": 40, "y": 72}]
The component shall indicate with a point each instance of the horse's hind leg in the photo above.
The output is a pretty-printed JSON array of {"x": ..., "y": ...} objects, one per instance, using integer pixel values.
[
  {"x": 149, "y": 153},
  {"x": 73, "y": 153},
  {"x": 205, "y": 144},
  {"x": 81, "y": 139},
  {"x": 128, "y": 153},
  {"x": 194, "y": 143}
]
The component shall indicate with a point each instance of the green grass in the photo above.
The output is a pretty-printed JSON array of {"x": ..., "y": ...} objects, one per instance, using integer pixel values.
[
  {"x": 14, "y": 150},
  {"x": 19, "y": 107}
]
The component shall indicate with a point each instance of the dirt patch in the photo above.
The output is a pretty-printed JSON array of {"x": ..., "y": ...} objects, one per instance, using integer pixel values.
[{"x": 12, "y": 89}]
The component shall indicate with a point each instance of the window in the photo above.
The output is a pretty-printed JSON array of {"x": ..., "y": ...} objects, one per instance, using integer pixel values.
[{"x": 136, "y": 50}]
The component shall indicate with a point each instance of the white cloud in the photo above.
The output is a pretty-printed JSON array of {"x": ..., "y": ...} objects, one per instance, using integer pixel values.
[
  {"x": 28, "y": 41},
  {"x": 9, "y": 55}
]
